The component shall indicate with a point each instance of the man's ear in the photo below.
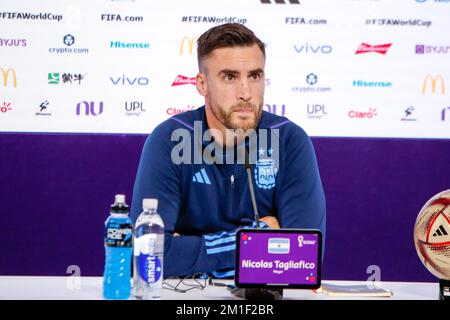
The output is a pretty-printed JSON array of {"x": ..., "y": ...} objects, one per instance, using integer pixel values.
[{"x": 200, "y": 82}]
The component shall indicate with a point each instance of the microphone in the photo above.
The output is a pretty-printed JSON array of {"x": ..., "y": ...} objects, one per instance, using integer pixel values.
[{"x": 250, "y": 186}]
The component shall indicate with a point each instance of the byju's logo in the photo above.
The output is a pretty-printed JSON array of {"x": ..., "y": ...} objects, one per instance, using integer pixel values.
[
  {"x": 312, "y": 79},
  {"x": 433, "y": 81},
  {"x": 408, "y": 114},
  {"x": 125, "y": 80},
  {"x": 5, "y": 107},
  {"x": 43, "y": 107},
  {"x": 90, "y": 108},
  {"x": 13, "y": 42},
  {"x": 316, "y": 111},
  {"x": 424, "y": 49},
  {"x": 6, "y": 75},
  {"x": 366, "y": 48},
  {"x": 355, "y": 114},
  {"x": 69, "y": 41},
  {"x": 183, "y": 80},
  {"x": 201, "y": 177},
  {"x": 445, "y": 114},
  {"x": 187, "y": 42},
  {"x": 65, "y": 78},
  {"x": 280, "y": 1},
  {"x": 134, "y": 108},
  {"x": 313, "y": 49},
  {"x": 273, "y": 108}
]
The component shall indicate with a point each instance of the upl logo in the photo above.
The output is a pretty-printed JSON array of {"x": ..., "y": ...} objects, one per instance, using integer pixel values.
[
  {"x": 187, "y": 43},
  {"x": 6, "y": 74},
  {"x": 433, "y": 81}
]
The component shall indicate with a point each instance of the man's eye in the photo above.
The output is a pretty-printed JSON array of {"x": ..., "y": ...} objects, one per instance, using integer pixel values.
[
  {"x": 255, "y": 76},
  {"x": 229, "y": 77}
]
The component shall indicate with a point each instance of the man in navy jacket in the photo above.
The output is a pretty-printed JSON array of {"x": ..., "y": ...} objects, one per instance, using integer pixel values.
[{"x": 193, "y": 162}]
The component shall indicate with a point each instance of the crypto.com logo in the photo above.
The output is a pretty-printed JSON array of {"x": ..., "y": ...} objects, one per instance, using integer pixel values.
[
  {"x": 5, "y": 75},
  {"x": 366, "y": 48},
  {"x": 433, "y": 80},
  {"x": 189, "y": 42}
]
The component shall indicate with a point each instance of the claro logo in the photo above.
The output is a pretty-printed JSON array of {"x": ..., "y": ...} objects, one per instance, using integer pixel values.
[
  {"x": 433, "y": 80},
  {"x": 189, "y": 43},
  {"x": 6, "y": 75}
]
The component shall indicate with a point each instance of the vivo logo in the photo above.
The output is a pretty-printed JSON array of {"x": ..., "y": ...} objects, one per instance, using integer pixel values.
[
  {"x": 307, "y": 48},
  {"x": 272, "y": 108},
  {"x": 90, "y": 108},
  {"x": 123, "y": 80}
]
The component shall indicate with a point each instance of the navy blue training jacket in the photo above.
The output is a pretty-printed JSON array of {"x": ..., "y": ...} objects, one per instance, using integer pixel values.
[{"x": 206, "y": 203}]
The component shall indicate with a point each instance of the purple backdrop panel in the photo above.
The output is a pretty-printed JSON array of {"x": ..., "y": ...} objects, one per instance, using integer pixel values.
[{"x": 56, "y": 190}]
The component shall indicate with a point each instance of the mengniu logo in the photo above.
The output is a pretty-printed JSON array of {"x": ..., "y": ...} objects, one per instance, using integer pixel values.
[
  {"x": 280, "y": 1},
  {"x": 69, "y": 40},
  {"x": 366, "y": 48},
  {"x": 7, "y": 74},
  {"x": 431, "y": 82},
  {"x": 187, "y": 43},
  {"x": 5, "y": 107},
  {"x": 355, "y": 114},
  {"x": 183, "y": 80},
  {"x": 90, "y": 108},
  {"x": 445, "y": 115},
  {"x": 275, "y": 109},
  {"x": 13, "y": 42},
  {"x": 65, "y": 78}
]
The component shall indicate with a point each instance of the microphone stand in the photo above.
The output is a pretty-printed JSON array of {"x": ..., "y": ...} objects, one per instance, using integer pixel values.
[{"x": 255, "y": 293}]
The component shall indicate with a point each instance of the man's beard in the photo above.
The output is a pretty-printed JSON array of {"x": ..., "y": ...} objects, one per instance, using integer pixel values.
[{"x": 230, "y": 122}]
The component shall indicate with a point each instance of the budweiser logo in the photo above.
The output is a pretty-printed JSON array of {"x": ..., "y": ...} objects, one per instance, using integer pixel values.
[
  {"x": 182, "y": 80},
  {"x": 381, "y": 48}
]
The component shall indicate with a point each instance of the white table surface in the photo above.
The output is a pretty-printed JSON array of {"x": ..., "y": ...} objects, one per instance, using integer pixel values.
[{"x": 90, "y": 288}]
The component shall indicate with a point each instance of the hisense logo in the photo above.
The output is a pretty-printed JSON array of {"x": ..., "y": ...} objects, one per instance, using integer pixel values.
[{"x": 129, "y": 45}]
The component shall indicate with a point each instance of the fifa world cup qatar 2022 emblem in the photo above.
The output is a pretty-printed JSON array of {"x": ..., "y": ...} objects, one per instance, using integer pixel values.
[{"x": 265, "y": 173}]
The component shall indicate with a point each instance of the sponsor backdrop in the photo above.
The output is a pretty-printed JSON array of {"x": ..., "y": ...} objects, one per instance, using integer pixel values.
[{"x": 82, "y": 84}]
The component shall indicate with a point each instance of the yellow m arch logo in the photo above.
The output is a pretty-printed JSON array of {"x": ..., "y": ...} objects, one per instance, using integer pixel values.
[
  {"x": 190, "y": 43},
  {"x": 433, "y": 80},
  {"x": 5, "y": 75}
]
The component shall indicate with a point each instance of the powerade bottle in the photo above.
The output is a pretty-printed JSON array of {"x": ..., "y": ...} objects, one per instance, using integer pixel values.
[
  {"x": 118, "y": 249},
  {"x": 148, "y": 252}
]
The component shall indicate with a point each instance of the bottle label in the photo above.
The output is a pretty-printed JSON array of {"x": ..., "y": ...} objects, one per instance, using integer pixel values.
[
  {"x": 148, "y": 264},
  {"x": 119, "y": 235}
]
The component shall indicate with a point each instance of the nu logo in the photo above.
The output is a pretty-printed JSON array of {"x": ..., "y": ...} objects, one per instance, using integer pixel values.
[
  {"x": 189, "y": 42},
  {"x": 433, "y": 80},
  {"x": 89, "y": 108},
  {"x": 5, "y": 75},
  {"x": 201, "y": 177},
  {"x": 281, "y": 1}
]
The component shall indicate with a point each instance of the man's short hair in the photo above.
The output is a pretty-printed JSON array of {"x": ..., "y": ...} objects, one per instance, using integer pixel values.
[{"x": 227, "y": 35}]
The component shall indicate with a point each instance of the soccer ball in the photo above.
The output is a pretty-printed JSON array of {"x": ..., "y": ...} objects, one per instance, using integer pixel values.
[{"x": 432, "y": 235}]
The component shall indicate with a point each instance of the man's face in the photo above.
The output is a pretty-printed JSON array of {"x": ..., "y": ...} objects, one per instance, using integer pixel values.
[{"x": 232, "y": 82}]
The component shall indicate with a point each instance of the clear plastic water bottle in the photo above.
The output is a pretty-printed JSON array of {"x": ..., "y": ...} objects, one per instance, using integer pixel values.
[
  {"x": 148, "y": 252},
  {"x": 118, "y": 249}
]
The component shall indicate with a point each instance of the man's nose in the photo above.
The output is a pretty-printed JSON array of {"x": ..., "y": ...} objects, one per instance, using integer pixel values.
[{"x": 243, "y": 92}]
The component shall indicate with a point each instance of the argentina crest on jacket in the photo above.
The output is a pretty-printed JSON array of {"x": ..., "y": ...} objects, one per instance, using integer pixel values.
[{"x": 265, "y": 173}]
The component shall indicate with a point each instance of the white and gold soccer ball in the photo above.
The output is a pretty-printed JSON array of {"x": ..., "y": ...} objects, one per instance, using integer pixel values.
[{"x": 432, "y": 235}]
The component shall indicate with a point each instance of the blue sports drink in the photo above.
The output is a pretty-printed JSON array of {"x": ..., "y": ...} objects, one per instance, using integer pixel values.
[{"x": 118, "y": 249}]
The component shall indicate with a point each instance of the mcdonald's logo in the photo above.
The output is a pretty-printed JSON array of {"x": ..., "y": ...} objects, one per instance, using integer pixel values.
[
  {"x": 434, "y": 81},
  {"x": 5, "y": 75},
  {"x": 189, "y": 42}
]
